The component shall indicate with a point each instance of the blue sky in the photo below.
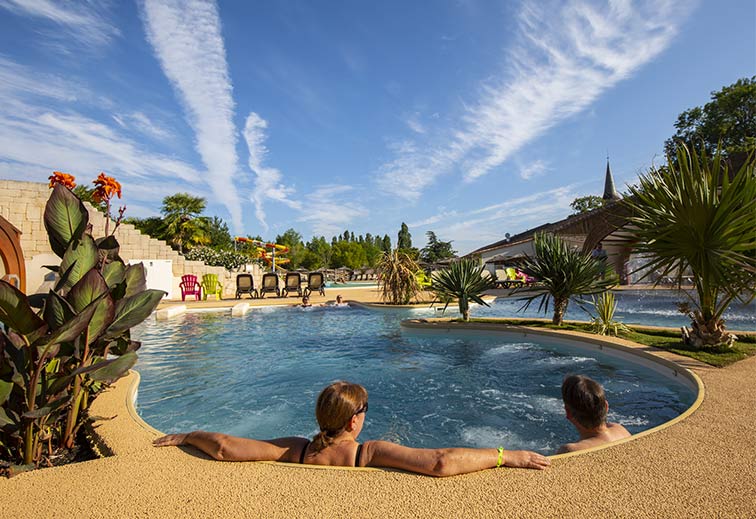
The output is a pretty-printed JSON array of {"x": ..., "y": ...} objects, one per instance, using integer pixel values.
[{"x": 469, "y": 118}]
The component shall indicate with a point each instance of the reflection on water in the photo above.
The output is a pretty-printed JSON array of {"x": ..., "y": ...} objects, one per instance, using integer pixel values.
[{"x": 259, "y": 376}]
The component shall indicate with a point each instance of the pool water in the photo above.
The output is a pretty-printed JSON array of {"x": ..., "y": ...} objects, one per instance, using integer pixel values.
[{"x": 259, "y": 376}]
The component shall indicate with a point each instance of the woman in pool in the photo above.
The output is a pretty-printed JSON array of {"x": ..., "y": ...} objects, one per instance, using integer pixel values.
[{"x": 340, "y": 412}]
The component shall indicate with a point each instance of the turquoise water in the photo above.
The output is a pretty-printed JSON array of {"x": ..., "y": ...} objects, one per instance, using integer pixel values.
[{"x": 259, "y": 375}]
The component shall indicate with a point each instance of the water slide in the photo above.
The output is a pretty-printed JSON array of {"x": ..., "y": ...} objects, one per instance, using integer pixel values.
[{"x": 268, "y": 251}]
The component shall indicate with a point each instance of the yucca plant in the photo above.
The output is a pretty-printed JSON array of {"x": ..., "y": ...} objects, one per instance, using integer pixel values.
[
  {"x": 398, "y": 281},
  {"x": 51, "y": 361},
  {"x": 603, "y": 322},
  {"x": 464, "y": 281},
  {"x": 562, "y": 272},
  {"x": 694, "y": 216}
]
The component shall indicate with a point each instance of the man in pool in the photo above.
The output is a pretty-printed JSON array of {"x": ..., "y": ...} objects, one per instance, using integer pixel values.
[
  {"x": 340, "y": 412},
  {"x": 586, "y": 407}
]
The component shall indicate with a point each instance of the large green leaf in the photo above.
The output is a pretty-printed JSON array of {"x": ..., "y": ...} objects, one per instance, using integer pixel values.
[
  {"x": 57, "y": 311},
  {"x": 80, "y": 258},
  {"x": 4, "y": 418},
  {"x": 16, "y": 313},
  {"x": 131, "y": 311},
  {"x": 90, "y": 287},
  {"x": 5, "y": 390},
  {"x": 109, "y": 245},
  {"x": 112, "y": 369},
  {"x": 136, "y": 280},
  {"x": 72, "y": 328},
  {"x": 65, "y": 219},
  {"x": 114, "y": 273}
]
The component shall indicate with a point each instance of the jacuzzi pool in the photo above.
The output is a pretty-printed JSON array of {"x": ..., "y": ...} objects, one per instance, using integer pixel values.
[{"x": 259, "y": 376}]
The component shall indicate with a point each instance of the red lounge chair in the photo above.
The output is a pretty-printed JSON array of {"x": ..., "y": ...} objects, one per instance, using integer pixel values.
[{"x": 190, "y": 287}]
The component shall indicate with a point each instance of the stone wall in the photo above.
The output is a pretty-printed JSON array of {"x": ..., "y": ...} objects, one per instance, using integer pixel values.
[{"x": 23, "y": 205}]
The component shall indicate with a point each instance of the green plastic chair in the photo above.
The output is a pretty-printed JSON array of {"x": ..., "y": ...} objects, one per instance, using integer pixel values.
[{"x": 211, "y": 286}]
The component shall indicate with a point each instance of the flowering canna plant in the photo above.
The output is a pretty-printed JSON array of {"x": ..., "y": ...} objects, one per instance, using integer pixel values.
[
  {"x": 64, "y": 179},
  {"x": 58, "y": 349}
]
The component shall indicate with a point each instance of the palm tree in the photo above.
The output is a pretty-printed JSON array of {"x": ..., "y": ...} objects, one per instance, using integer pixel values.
[
  {"x": 562, "y": 272},
  {"x": 184, "y": 225},
  {"x": 464, "y": 280},
  {"x": 397, "y": 281},
  {"x": 694, "y": 216}
]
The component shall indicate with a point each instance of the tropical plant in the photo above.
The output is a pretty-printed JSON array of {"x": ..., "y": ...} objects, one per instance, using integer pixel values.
[
  {"x": 464, "y": 281},
  {"x": 52, "y": 361},
  {"x": 397, "y": 281},
  {"x": 562, "y": 272},
  {"x": 693, "y": 216},
  {"x": 184, "y": 225},
  {"x": 603, "y": 322}
]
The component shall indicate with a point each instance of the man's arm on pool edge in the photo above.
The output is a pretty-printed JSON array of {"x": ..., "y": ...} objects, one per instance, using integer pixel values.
[{"x": 224, "y": 447}]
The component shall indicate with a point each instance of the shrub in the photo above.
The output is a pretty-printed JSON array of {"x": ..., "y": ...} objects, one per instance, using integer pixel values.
[{"x": 230, "y": 260}]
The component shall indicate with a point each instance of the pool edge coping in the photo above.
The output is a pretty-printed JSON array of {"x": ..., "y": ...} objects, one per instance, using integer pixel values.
[{"x": 110, "y": 445}]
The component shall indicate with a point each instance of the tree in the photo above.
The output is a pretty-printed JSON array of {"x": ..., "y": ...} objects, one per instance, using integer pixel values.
[
  {"x": 348, "y": 254},
  {"x": 184, "y": 225},
  {"x": 218, "y": 234},
  {"x": 436, "y": 250},
  {"x": 398, "y": 281},
  {"x": 153, "y": 226},
  {"x": 386, "y": 244},
  {"x": 691, "y": 216},
  {"x": 293, "y": 240},
  {"x": 729, "y": 118},
  {"x": 562, "y": 272},
  {"x": 585, "y": 204},
  {"x": 466, "y": 281},
  {"x": 404, "y": 239}
]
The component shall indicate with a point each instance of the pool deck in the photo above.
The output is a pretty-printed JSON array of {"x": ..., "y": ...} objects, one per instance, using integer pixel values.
[{"x": 703, "y": 466}]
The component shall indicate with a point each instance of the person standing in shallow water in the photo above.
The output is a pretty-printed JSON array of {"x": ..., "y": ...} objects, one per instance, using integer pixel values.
[
  {"x": 586, "y": 408},
  {"x": 340, "y": 412}
]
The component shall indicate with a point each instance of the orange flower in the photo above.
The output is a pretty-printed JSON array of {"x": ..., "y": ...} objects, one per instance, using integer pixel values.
[
  {"x": 106, "y": 188},
  {"x": 64, "y": 179}
]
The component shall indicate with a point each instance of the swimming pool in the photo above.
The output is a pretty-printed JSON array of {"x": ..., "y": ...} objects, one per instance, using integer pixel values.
[{"x": 259, "y": 376}]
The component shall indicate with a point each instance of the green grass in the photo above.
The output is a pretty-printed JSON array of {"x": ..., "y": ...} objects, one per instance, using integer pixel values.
[{"x": 665, "y": 339}]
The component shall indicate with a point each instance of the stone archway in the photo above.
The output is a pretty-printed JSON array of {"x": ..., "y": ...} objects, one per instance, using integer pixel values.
[{"x": 11, "y": 255}]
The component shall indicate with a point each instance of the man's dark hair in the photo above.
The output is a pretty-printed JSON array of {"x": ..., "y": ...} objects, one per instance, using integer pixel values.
[{"x": 585, "y": 399}]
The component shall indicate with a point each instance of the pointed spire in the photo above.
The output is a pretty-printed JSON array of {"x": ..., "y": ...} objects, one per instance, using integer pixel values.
[{"x": 609, "y": 192}]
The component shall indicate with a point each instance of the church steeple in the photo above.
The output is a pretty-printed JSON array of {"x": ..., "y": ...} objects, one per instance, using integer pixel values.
[{"x": 609, "y": 192}]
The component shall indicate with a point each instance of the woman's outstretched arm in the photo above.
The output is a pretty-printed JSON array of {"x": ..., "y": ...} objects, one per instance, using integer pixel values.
[
  {"x": 447, "y": 462},
  {"x": 232, "y": 448}
]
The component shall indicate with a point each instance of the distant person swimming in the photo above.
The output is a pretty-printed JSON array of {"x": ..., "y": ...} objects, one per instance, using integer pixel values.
[
  {"x": 340, "y": 412},
  {"x": 339, "y": 301},
  {"x": 586, "y": 407}
]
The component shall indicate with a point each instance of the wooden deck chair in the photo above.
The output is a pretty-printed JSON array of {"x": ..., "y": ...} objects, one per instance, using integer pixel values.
[
  {"x": 245, "y": 284},
  {"x": 190, "y": 287},
  {"x": 270, "y": 284},
  {"x": 211, "y": 286},
  {"x": 293, "y": 284},
  {"x": 502, "y": 279},
  {"x": 315, "y": 283}
]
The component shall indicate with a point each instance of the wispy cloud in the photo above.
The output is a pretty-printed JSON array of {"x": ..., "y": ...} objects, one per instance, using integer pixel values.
[
  {"x": 532, "y": 170},
  {"x": 491, "y": 222},
  {"x": 81, "y": 21},
  {"x": 186, "y": 36},
  {"x": 565, "y": 56},
  {"x": 414, "y": 124},
  {"x": 268, "y": 183},
  {"x": 142, "y": 123},
  {"x": 334, "y": 210}
]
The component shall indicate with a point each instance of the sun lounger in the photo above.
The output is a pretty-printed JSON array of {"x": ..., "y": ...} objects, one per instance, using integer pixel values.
[
  {"x": 245, "y": 284},
  {"x": 270, "y": 284},
  {"x": 315, "y": 283},
  {"x": 293, "y": 284}
]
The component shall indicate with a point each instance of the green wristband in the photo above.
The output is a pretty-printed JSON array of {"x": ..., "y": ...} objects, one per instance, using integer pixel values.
[{"x": 500, "y": 459}]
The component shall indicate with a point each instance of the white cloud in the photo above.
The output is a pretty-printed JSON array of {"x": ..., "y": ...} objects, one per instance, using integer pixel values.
[
  {"x": 532, "y": 170},
  {"x": 82, "y": 22},
  {"x": 140, "y": 122},
  {"x": 186, "y": 36},
  {"x": 268, "y": 183},
  {"x": 414, "y": 124},
  {"x": 565, "y": 56},
  {"x": 334, "y": 211}
]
